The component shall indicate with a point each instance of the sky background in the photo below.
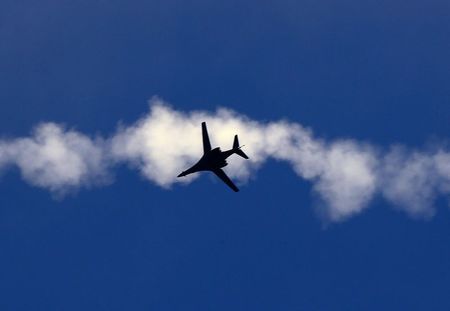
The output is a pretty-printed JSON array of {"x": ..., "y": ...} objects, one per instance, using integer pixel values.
[{"x": 376, "y": 71}]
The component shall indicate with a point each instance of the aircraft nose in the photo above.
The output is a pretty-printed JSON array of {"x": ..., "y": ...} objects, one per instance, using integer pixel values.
[{"x": 182, "y": 174}]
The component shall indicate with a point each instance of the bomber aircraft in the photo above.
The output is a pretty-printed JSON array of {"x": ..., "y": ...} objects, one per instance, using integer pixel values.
[{"x": 214, "y": 159}]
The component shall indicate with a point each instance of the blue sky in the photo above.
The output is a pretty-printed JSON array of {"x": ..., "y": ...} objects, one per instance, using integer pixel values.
[{"x": 374, "y": 71}]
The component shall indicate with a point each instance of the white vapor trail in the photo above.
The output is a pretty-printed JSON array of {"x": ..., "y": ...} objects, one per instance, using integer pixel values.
[{"x": 346, "y": 174}]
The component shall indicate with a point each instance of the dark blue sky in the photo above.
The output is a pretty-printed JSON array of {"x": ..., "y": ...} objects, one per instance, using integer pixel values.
[{"x": 377, "y": 71}]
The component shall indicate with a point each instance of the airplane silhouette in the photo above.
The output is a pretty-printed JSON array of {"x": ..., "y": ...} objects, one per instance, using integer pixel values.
[{"x": 213, "y": 160}]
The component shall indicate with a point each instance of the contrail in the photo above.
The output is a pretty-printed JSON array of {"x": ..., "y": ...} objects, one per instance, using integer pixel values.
[{"x": 346, "y": 174}]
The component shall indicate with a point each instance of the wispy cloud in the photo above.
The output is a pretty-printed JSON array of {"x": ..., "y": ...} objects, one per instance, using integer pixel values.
[
  {"x": 57, "y": 159},
  {"x": 346, "y": 174},
  {"x": 412, "y": 180}
]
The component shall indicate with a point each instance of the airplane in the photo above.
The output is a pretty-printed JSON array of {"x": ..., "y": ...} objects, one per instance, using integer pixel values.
[{"x": 214, "y": 159}]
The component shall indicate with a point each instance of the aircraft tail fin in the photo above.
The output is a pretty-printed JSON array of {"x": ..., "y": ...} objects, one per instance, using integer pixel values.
[
  {"x": 237, "y": 149},
  {"x": 236, "y": 142}
]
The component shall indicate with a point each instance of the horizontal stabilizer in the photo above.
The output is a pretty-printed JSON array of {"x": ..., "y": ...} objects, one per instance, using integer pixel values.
[{"x": 241, "y": 153}]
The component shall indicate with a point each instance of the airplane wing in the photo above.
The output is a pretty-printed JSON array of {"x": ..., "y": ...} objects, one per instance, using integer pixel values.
[
  {"x": 206, "y": 143},
  {"x": 221, "y": 174}
]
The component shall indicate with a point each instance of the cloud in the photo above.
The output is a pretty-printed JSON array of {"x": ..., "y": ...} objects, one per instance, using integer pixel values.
[
  {"x": 56, "y": 159},
  {"x": 166, "y": 141},
  {"x": 412, "y": 180},
  {"x": 345, "y": 174}
]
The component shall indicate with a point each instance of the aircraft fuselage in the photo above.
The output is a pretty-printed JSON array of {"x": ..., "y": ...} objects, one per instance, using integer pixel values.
[{"x": 210, "y": 161}]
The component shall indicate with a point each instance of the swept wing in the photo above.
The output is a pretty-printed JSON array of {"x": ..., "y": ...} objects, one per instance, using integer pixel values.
[
  {"x": 206, "y": 143},
  {"x": 221, "y": 174}
]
